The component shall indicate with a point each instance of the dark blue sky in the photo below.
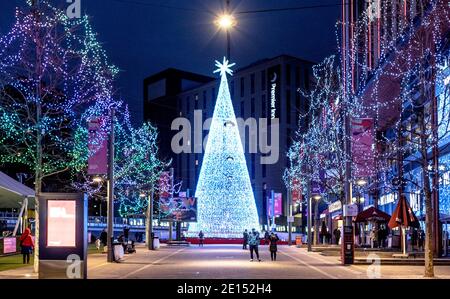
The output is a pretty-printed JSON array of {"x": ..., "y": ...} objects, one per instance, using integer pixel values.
[{"x": 144, "y": 39}]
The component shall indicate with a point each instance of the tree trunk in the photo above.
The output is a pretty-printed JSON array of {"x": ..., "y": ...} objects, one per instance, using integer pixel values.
[
  {"x": 316, "y": 222},
  {"x": 429, "y": 265}
]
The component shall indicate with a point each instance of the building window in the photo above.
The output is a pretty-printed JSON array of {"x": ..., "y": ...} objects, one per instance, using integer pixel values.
[
  {"x": 288, "y": 74},
  {"x": 306, "y": 79},
  {"x": 204, "y": 99},
  {"x": 253, "y": 166},
  {"x": 263, "y": 80},
  {"x": 196, "y": 102},
  {"x": 264, "y": 170},
  {"x": 263, "y": 106},
  {"x": 232, "y": 89},
  {"x": 188, "y": 101},
  {"x": 252, "y": 83},
  {"x": 297, "y": 77},
  {"x": 242, "y": 109},
  {"x": 242, "y": 87},
  {"x": 297, "y": 105},
  {"x": 288, "y": 106},
  {"x": 253, "y": 107},
  {"x": 213, "y": 97}
]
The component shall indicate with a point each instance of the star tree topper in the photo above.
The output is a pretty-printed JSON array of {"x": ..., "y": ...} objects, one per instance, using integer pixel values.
[{"x": 224, "y": 68}]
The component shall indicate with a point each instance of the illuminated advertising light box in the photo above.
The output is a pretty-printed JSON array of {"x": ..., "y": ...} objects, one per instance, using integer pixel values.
[
  {"x": 61, "y": 223},
  {"x": 9, "y": 245},
  {"x": 63, "y": 235}
]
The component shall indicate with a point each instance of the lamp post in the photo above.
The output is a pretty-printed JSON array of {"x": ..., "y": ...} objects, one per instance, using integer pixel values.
[
  {"x": 360, "y": 183},
  {"x": 226, "y": 22},
  {"x": 149, "y": 219},
  {"x": 110, "y": 210}
]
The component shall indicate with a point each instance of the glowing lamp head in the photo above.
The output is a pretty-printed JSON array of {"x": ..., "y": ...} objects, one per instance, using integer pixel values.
[
  {"x": 317, "y": 197},
  {"x": 361, "y": 182},
  {"x": 226, "y": 22},
  {"x": 142, "y": 195},
  {"x": 97, "y": 179}
]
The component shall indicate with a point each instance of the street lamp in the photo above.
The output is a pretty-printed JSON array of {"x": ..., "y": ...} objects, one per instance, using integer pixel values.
[
  {"x": 226, "y": 22},
  {"x": 360, "y": 183}
]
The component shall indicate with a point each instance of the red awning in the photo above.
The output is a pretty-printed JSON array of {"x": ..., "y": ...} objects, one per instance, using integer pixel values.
[
  {"x": 372, "y": 214},
  {"x": 403, "y": 215}
]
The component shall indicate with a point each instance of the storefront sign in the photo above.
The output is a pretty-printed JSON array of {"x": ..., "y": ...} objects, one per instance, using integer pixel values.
[
  {"x": 388, "y": 198},
  {"x": 335, "y": 206},
  {"x": 350, "y": 210}
]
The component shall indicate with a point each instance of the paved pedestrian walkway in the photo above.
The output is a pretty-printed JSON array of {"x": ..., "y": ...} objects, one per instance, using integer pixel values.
[{"x": 232, "y": 262}]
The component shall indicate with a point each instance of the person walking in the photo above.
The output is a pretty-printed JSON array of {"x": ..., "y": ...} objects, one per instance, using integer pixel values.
[
  {"x": 337, "y": 235},
  {"x": 104, "y": 239},
  {"x": 421, "y": 237},
  {"x": 373, "y": 237},
  {"x": 201, "y": 238},
  {"x": 245, "y": 236},
  {"x": 273, "y": 239},
  {"x": 414, "y": 238},
  {"x": 126, "y": 232},
  {"x": 27, "y": 245},
  {"x": 253, "y": 241},
  {"x": 266, "y": 237}
]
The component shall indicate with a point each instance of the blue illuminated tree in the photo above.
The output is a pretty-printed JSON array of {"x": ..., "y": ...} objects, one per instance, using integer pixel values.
[{"x": 226, "y": 204}]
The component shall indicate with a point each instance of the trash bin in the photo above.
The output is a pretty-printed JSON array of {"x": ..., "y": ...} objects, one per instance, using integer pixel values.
[
  {"x": 155, "y": 243},
  {"x": 118, "y": 251}
]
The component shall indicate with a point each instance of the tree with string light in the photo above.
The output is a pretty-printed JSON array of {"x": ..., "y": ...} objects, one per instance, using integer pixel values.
[
  {"x": 404, "y": 85},
  {"x": 51, "y": 69},
  {"x": 317, "y": 157},
  {"x": 136, "y": 163}
]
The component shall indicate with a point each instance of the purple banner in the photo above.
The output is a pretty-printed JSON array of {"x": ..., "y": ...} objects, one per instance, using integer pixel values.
[
  {"x": 362, "y": 147},
  {"x": 98, "y": 147}
]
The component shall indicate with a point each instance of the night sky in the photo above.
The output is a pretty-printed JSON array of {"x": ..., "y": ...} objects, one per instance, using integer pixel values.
[{"x": 143, "y": 37}]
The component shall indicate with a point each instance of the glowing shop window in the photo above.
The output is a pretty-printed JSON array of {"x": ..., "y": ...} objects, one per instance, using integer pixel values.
[{"x": 61, "y": 223}]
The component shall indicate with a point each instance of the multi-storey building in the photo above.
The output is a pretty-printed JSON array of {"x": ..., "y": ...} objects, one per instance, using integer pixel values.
[{"x": 265, "y": 89}]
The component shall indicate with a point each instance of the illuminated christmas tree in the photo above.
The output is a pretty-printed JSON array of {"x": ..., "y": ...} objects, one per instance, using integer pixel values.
[{"x": 226, "y": 204}]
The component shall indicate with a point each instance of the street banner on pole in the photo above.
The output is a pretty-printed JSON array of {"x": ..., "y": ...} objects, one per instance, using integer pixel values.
[
  {"x": 296, "y": 192},
  {"x": 363, "y": 147},
  {"x": 165, "y": 185},
  {"x": 98, "y": 147}
]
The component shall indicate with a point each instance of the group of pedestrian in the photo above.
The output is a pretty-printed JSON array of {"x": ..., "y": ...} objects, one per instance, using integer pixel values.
[
  {"x": 252, "y": 240},
  {"x": 417, "y": 239}
]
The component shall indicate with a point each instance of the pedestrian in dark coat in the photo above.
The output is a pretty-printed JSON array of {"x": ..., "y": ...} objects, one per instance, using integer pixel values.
[
  {"x": 414, "y": 238},
  {"x": 266, "y": 238},
  {"x": 273, "y": 239},
  {"x": 201, "y": 238},
  {"x": 337, "y": 235},
  {"x": 421, "y": 239},
  {"x": 104, "y": 237},
  {"x": 27, "y": 245},
  {"x": 245, "y": 236}
]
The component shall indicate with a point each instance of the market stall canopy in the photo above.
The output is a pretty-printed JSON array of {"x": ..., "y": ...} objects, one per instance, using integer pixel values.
[
  {"x": 372, "y": 214},
  {"x": 403, "y": 215},
  {"x": 12, "y": 193}
]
